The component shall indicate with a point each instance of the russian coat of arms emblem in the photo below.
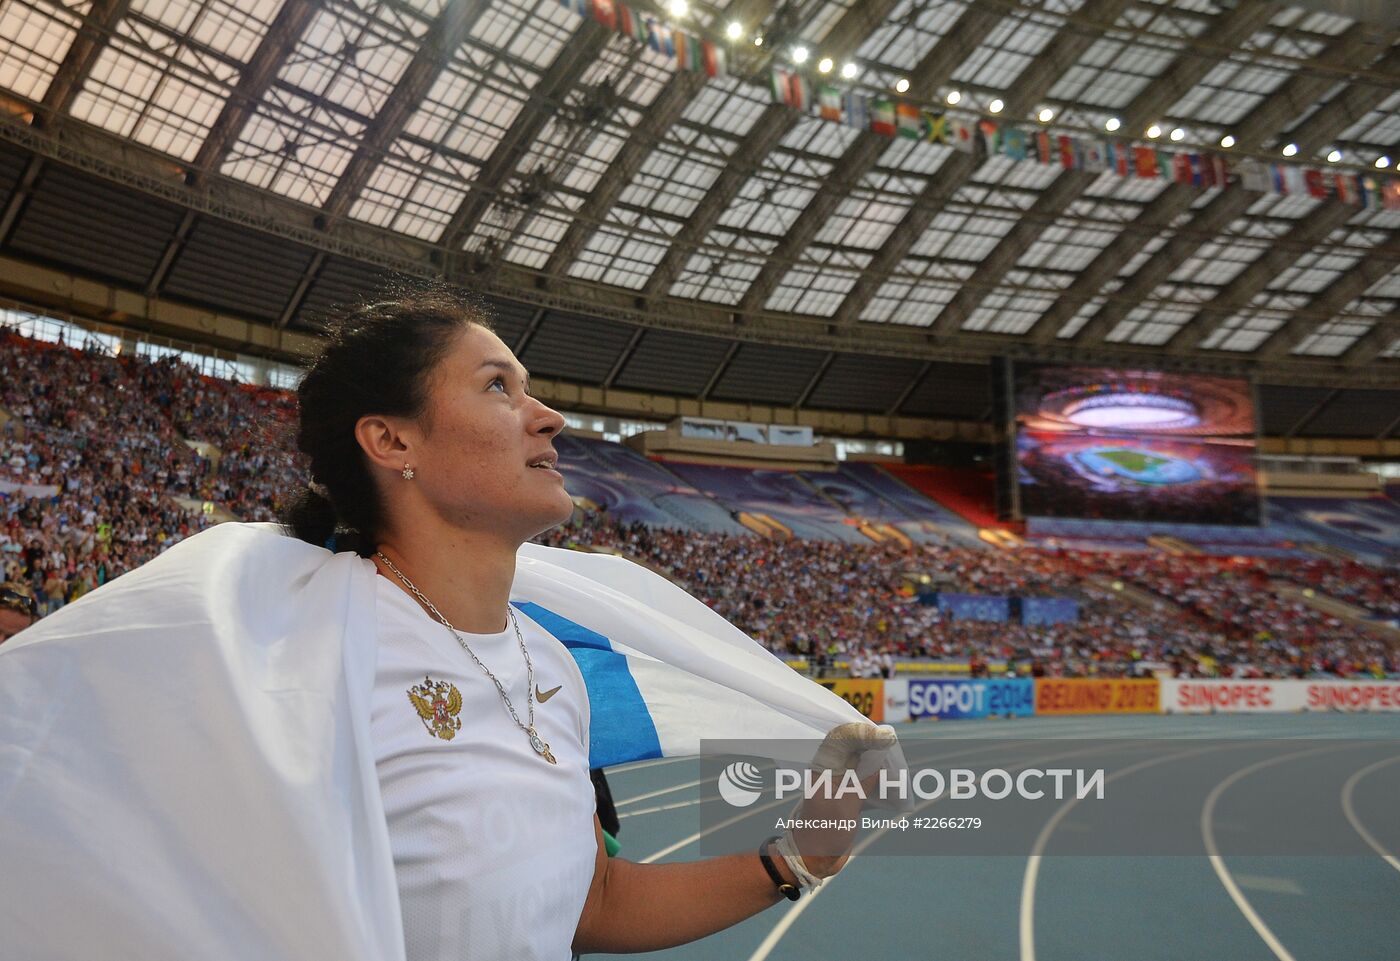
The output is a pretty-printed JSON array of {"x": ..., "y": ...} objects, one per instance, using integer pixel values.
[{"x": 438, "y": 703}]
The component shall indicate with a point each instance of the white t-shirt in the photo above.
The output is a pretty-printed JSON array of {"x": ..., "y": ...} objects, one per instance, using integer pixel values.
[{"x": 493, "y": 846}]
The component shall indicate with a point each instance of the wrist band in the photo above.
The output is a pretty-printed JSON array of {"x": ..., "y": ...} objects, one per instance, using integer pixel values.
[
  {"x": 787, "y": 847},
  {"x": 789, "y": 891}
]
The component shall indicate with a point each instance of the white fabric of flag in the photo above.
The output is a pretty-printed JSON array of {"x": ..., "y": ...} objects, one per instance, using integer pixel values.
[{"x": 185, "y": 761}]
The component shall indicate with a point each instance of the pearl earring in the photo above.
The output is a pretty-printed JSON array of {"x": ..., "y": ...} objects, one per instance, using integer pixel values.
[{"x": 407, "y": 472}]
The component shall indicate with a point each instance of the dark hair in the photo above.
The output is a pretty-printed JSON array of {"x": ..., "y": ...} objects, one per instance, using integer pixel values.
[{"x": 375, "y": 359}]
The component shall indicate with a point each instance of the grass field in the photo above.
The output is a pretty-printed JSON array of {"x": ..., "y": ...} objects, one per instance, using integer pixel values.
[
  {"x": 1136, "y": 461},
  {"x": 1059, "y": 908}
]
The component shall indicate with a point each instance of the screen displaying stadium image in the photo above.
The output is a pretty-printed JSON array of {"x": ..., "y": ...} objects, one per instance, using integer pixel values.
[{"x": 1134, "y": 445}]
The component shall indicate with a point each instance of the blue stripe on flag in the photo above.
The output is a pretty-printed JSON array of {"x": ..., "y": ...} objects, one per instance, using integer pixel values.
[{"x": 621, "y": 728}]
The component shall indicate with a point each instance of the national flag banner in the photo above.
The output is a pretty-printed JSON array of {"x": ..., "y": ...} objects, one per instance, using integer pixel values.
[
  {"x": 1013, "y": 143},
  {"x": 1069, "y": 158},
  {"x": 679, "y": 37},
  {"x": 605, "y": 13},
  {"x": 1276, "y": 179},
  {"x": 909, "y": 121},
  {"x": 1144, "y": 162},
  {"x": 714, "y": 59},
  {"x": 659, "y": 38},
  {"x": 1216, "y": 173},
  {"x": 1181, "y": 169},
  {"x": 694, "y": 55},
  {"x": 855, "y": 108},
  {"x": 1119, "y": 158},
  {"x": 1390, "y": 194},
  {"x": 791, "y": 89},
  {"x": 882, "y": 116},
  {"x": 1293, "y": 177},
  {"x": 1094, "y": 155},
  {"x": 1344, "y": 185},
  {"x": 829, "y": 101},
  {"x": 1317, "y": 185},
  {"x": 1256, "y": 177},
  {"x": 962, "y": 135},
  {"x": 991, "y": 137},
  {"x": 237, "y": 668},
  {"x": 1198, "y": 173},
  {"x": 638, "y": 28},
  {"x": 1043, "y": 151},
  {"x": 935, "y": 127}
]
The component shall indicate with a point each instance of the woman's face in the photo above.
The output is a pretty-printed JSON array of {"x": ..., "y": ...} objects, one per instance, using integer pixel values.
[{"x": 483, "y": 451}]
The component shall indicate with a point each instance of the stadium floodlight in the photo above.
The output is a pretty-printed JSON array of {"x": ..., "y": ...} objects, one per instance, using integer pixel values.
[
  {"x": 678, "y": 8},
  {"x": 799, "y": 54},
  {"x": 1178, "y": 135},
  {"x": 735, "y": 30},
  {"x": 1227, "y": 141},
  {"x": 1046, "y": 115},
  {"x": 996, "y": 106},
  {"x": 1112, "y": 124},
  {"x": 824, "y": 65},
  {"x": 1382, "y": 162},
  {"x": 901, "y": 85},
  {"x": 1290, "y": 150},
  {"x": 1153, "y": 132},
  {"x": 954, "y": 96},
  {"x": 1334, "y": 155},
  {"x": 849, "y": 71},
  {"x": 758, "y": 40}
]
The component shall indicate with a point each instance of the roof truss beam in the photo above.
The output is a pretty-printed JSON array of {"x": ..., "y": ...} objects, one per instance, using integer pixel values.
[
  {"x": 1174, "y": 82},
  {"x": 1062, "y": 192},
  {"x": 1348, "y": 108},
  {"x": 1254, "y": 279},
  {"x": 1227, "y": 207},
  {"x": 1332, "y": 300},
  {"x": 663, "y": 113},
  {"x": 562, "y": 76},
  {"x": 1177, "y": 199},
  {"x": 860, "y": 157},
  {"x": 775, "y": 123},
  {"x": 1375, "y": 341},
  {"x": 97, "y": 28},
  {"x": 448, "y": 32},
  {"x": 253, "y": 82}
]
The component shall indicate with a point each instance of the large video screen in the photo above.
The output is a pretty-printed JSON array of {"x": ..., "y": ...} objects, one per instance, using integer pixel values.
[{"x": 1134, "y": 445}]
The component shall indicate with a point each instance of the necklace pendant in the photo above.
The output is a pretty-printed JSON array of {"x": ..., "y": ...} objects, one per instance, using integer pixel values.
[{"x": 541, "y": 748}]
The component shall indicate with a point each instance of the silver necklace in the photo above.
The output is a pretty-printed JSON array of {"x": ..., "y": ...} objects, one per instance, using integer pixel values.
[{"x": 541, "y": 747}]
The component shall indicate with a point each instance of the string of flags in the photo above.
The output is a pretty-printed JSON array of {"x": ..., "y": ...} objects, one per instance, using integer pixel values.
[
  {"x": 689, "y": 49},
  {"x": 893, "y": 117}
]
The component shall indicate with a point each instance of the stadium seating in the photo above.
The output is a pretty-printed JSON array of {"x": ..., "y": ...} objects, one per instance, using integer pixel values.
[{"x": 105, "y": 461}]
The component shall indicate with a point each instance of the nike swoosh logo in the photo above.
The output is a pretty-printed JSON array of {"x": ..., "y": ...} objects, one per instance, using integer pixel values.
[{"x": 543, "y": 696}]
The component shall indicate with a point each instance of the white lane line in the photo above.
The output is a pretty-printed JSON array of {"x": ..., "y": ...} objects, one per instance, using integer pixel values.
[
  {"x": 1347, "y": 808},
  {"x": 775, "y": 935},
  {"x": 631, "y": 766},
  {"x": 665, "y": 790},
  {"x": 1269, "y": 884},
  {"x": 673, "y": 806},
  {"x": 1032, "y": 875},
  {"x": 692, "y": 838},
  {"x": 1218, "y": 863}
]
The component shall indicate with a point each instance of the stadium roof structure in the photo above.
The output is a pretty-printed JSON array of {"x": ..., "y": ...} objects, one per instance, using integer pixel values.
[{"x": 642, "y": 224}]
